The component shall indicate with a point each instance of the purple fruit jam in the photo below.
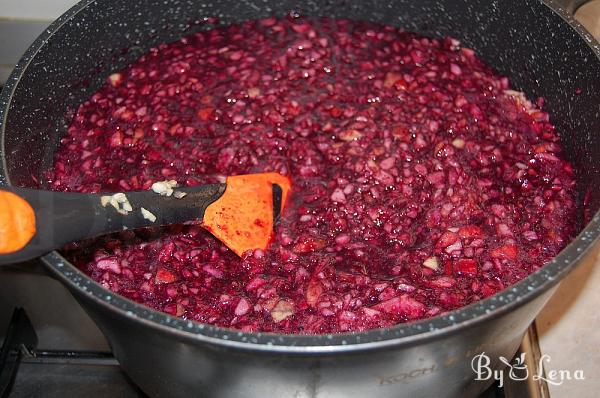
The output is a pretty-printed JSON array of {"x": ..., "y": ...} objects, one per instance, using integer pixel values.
[{"x": 421, "y": 181}]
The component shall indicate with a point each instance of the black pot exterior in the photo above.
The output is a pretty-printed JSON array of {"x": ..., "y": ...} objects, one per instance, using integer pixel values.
[{"x": 538, "y": 49}]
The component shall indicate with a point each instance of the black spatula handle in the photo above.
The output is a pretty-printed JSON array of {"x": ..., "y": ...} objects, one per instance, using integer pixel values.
[{"x": 63, "y": 217}]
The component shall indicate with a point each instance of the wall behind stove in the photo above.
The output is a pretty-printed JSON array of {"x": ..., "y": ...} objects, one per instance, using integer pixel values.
[{"x": 21, "y": 21}]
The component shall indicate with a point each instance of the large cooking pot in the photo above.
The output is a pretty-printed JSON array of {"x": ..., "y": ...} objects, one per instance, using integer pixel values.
[{"x": 537, "y": 44}]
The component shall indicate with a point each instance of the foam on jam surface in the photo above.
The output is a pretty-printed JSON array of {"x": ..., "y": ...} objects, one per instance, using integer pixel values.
[{"x": 421, "y": 181}]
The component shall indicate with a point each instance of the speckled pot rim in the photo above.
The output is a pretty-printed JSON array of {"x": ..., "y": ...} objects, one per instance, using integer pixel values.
[{"x": 403, "y": 334}]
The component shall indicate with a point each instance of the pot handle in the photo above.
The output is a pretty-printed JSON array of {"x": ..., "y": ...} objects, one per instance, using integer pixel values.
[
  {"x": 571, "y": 6},
  {"x": 17, "y": 222}
]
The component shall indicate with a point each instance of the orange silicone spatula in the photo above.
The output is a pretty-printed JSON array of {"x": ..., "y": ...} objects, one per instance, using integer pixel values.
[
  {"x": 243, "y": 217},
  {"x": 241, "y": 213}
]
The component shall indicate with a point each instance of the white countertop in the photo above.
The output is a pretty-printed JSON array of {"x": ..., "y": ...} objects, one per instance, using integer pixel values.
[{"x": 569, "y": 329}]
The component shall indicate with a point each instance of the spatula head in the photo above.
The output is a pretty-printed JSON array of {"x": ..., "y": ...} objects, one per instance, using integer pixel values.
[{"x": 244, "y": 216}]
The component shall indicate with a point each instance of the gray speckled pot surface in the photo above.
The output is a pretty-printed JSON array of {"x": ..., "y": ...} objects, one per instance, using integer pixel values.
[{"x": 541, "y": 48}]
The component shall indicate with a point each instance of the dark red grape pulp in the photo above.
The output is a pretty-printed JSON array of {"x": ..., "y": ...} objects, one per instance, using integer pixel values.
[{"x": 422, "y": 182}]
